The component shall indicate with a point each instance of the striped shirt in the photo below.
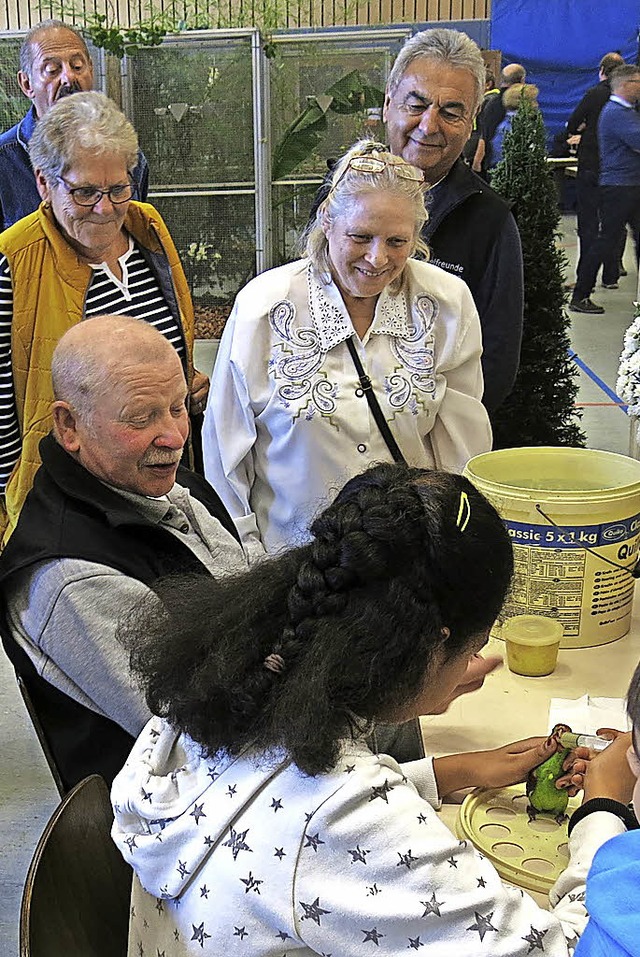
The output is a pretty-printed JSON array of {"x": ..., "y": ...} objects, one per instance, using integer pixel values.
[{"x": 137, "y": 294}]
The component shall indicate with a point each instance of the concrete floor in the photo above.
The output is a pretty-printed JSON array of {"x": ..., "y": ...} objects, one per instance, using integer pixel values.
[
  {"x": 27, "y": 793},
  {"x": 597, "y": 342}
]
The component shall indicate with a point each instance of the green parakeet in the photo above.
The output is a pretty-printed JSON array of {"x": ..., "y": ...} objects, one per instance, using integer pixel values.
[{"x": 541, "y": 783}]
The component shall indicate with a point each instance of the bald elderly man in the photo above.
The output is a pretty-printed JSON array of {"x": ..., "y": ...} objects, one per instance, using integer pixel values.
[{"x": 110, "y": 511}]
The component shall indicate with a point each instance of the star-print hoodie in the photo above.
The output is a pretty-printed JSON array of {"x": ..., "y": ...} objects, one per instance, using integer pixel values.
[{"x": 241, "y": 856}]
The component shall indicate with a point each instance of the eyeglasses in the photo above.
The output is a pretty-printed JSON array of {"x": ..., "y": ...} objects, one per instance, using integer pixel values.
[
  {"x": 374, "y": 164},
  {"x": 91, "y": 195}
]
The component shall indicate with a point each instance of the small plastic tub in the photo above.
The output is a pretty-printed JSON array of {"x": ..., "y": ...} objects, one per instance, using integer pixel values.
[{"x": 533, "y": 642}]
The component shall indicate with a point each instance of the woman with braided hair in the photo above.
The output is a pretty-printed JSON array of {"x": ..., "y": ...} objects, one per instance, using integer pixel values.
[{"x": 256, "y": 818}]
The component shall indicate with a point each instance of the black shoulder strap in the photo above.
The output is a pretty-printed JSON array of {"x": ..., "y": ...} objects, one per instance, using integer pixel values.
[{"x": 367, "y": 387}]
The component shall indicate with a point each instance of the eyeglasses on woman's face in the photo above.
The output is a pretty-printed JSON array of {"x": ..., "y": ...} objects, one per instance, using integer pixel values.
[{"x": 91, "y": 195}]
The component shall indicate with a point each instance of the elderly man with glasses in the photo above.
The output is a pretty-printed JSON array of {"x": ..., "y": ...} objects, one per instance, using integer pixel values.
[{"x": 54, "y": 63}]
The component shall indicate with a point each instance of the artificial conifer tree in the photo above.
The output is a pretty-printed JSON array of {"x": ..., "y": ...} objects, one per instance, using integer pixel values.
[{"x": 541, "y": 408}]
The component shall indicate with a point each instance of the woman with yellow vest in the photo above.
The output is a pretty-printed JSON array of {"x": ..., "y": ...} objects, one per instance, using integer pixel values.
[{"x": 88, "y": 250}]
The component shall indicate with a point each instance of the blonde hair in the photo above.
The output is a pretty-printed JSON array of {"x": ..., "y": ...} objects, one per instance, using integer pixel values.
[
  {"x": 347, "y": 182},
  {"x": 513, "y": 94}
]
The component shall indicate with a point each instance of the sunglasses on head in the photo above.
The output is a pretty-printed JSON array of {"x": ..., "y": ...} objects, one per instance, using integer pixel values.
[{"x": 374, "y": 164}]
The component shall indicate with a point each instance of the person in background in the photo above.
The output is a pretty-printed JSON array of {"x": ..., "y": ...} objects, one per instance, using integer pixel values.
[
  {"x": 110, "y": 511},
  {"x": 491, "y": 91},
  {"x": 54, "y": 63},
  {"x": 619, "y": 191},
  {"x": 433, "y": 93},
  {"x": 251, "y": 810},
  {"x": 494, "y": 115},
  {"x": 288, "y": 419},
  {"x": 582, "y": 134},
  {"x": 613, "y": 880},
  {"x": 511, "y": 100},
  {"x": 88, "y": 250}
]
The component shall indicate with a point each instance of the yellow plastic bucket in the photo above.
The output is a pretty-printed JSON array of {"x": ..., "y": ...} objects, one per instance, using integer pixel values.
[{"x": 573, "y": 517}]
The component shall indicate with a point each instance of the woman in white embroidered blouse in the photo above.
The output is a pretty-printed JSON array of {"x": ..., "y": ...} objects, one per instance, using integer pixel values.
[{"x": 287, "y": 421}]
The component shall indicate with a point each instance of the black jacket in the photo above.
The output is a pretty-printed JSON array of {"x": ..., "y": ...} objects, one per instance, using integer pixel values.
[
  {"x": 588, "y": 111},
  {"x": 69, "y": 513},
  {"x": 472, "y": 234}
]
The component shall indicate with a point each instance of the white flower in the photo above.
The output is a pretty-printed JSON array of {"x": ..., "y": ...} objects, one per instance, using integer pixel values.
[{"x": 628, "y": 382}]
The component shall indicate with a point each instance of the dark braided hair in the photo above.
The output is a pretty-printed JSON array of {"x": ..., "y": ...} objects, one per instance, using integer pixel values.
[{"x": 348, "y": 625}]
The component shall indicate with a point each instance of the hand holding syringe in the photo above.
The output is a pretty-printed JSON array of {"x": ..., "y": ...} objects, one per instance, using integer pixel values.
[{"x": 569, "y": 739}]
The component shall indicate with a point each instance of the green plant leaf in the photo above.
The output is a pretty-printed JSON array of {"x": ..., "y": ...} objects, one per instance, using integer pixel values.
[
  {"x": 301, "y": 137},
  {"x": 349, "y": 95}
]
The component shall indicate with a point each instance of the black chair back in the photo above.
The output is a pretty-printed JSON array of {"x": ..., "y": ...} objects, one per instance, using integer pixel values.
[{"x": 76, "y": 898}]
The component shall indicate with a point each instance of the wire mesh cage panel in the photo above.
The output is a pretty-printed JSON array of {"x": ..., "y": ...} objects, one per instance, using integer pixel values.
[
  {"x": 192, "y": 103},
  {"x": 268, "y": 14},
  {"x": 215, "y": 237},
  {"x": 325, "y": 95},
  {"x": 13, "y": 104},
  {"x": 192, "y": 106}
]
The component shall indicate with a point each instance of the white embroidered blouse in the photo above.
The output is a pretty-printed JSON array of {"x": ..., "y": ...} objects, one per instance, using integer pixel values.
[{"x": 287, "y": 423}]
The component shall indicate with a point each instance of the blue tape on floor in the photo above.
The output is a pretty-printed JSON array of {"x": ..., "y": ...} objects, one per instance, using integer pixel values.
[{"x": 598, "y": 381}]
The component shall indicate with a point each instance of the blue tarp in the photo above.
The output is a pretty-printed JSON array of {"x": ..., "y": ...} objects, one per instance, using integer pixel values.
[{"x": 561, "y": 42}]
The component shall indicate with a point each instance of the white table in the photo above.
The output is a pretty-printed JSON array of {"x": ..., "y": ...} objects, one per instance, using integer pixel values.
[{"x": 509, "y": 707}]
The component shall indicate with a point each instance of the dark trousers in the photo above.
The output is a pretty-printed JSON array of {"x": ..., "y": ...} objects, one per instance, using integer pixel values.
[
  {"x": 588, "y": 214},
  {"x": 619, "y": 206},
  {"x": 587, "y": 211}
]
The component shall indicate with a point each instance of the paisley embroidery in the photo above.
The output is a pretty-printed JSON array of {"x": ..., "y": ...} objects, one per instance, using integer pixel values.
[
  {"x": 281, "y": 317},
  {"x": 415, "y": 353},
  {"x": 291, "y": 393},
  {"x": 300, "y": 355},
  {"x": 398, "y": 391},
  {"x": 298, "y": 367},
  {"x": 324, "y": 393},
  {"x": 297, "y": 360}
]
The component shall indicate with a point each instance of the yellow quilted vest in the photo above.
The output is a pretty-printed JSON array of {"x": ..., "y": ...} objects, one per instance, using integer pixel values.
[{"x": 50, "y": 284}]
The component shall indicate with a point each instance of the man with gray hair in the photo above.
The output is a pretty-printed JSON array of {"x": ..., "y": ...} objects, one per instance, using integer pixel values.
[
  {"x": 54, "y": 63},
  {"x": 433, "y": 93},
  {"x": 110, "y": 512}
]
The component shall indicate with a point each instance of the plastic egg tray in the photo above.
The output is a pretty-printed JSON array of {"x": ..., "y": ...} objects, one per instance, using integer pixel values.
[{"x": 530, "y": 854}]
